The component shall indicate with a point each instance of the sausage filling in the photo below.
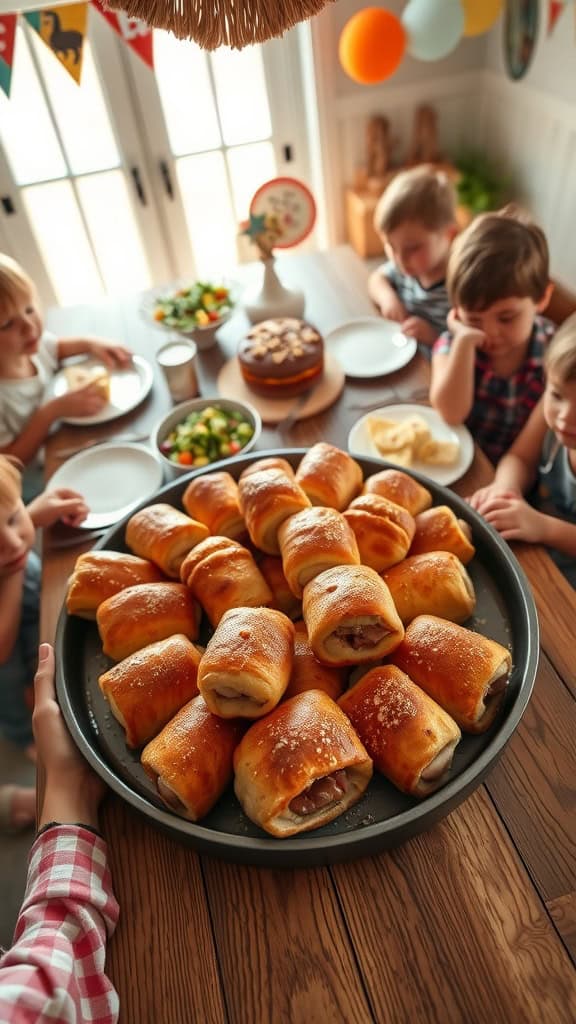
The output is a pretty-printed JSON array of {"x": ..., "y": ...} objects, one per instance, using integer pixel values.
[
  {"x": 321, "y": 793},
  {"x": 364, "y": 635},
  {"x": 227, "y": 693}
]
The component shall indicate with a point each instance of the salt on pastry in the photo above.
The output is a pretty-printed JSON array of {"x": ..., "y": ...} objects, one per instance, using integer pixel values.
[
  {"x": 467, "y": 673},
  {"x": 383, "y": 530},
  {"x": 435, "y": 583},
  {"x": 98, "y": 575},
  {"x": 329, "y": 476},
  {"x": 399, "y": 487},
  {"x": 439, "y": 529},
  {"x": 164, "y": 535},
  {"x": 222, "y": 574},
  {"x": 143, "y": 614},
  {"x": 267, "y": 498},
  {"x": 301, "y": 766},
  {"x": 213, "y": 499},
  {"x": 312, "y": 541},
  {"x": 409, "y": 737}
]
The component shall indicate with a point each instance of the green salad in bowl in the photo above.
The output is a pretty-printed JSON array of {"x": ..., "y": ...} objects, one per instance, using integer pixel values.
[
  {"x": 192, "y": 307},
  {"x": 203, "y": 431}
]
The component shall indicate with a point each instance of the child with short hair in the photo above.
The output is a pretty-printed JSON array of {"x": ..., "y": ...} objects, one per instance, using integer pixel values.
[
  {"x": 416, "y": 220},
  {"x": 545, "y": 454},
  {"x": 487, "y": 370},
  {"x": 20, "y": 590},
  {"x": 29, "y": 358}
]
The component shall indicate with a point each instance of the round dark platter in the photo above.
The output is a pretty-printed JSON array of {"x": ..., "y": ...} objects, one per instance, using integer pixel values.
[{"x": 384, "y": 817}]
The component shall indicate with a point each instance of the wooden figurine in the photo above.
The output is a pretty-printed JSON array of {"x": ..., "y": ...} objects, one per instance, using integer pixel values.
[{"x": 424, "y": 146}]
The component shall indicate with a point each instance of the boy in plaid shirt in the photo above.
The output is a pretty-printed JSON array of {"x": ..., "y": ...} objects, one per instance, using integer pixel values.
[
  {"x": 55, "y": 969},
  {"x": 487, "y": 369}
]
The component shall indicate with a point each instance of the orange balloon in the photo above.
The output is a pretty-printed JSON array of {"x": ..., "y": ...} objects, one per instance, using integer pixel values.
[{"x": 372, "y": 44}]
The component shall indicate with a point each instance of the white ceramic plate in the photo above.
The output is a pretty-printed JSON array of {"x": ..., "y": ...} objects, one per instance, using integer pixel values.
[
  {"x": 361, "y": 443},
  {"x": 370, "y": 347},
  {"x": 128, "y": 387},
  {"x": 113, "y": 478}
]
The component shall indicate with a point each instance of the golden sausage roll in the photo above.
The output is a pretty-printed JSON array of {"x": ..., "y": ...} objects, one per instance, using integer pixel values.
[
  {"x": 141, "y": 615},
  {"x": 267, "y": 498},
  {"x": 314, "y": 540},
  {"x": 329, "y": 476},
  {"x": 432, "y": 584},
  {"x": 191, "y": 760},
  {"x": 383, "y": 530},
  {"x": 269, "y": 462},
  {"x": 408, "y": 736},
  {"x": 222, "y": 574},
  {"x": 310, "y": 674},
  {"x": 465, "y": 672},
  {"x": 301, "y": 766},
  {"x": 164, "y": 535},
  {"x": 439, "y": 529},
  {"x": 147, "y": 688},
  {"x": 400, "y": 488},
  {"x": 283, "y": 598},
  {"x": 213, "y": 500},
  {"x": 350, "y": 616},
  {"x": 247, "y": 663},
  {"x": 100, "y": 574}
]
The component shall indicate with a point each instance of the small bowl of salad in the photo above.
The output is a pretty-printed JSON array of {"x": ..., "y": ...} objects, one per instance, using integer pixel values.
[
  {"x": 196, "y": 310},
  {"x": 204, "y": 431}
]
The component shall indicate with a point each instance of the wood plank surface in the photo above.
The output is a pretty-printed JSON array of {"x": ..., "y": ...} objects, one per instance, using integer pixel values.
[{"x": 448, "y": 928}]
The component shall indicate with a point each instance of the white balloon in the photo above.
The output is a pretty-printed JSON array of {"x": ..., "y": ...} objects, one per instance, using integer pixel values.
[{"x": 434, "y": 27}]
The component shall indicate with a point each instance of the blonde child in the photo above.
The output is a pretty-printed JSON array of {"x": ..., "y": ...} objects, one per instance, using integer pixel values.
[
  {"x": 545, "y": 454},
  {"x": 29, "y": 358},
  {"x": 487, "y": 370},
  {"x": 20, "y": 589},
  {"x": 416, "y": 220}
]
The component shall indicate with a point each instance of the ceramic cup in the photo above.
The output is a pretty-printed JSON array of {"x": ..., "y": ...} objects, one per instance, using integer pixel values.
[{"x": 178, "y": 362}]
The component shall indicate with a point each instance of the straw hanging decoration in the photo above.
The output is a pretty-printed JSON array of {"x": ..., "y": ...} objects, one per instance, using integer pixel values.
[{"x": 213, "y": 23}]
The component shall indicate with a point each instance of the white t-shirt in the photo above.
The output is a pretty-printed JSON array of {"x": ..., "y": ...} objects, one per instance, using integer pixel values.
[{"x": 20, "y": 398}]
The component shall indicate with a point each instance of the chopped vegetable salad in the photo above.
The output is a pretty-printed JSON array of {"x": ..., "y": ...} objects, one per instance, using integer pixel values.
[
  {"x": 205, "y": 436},
  {"x": 199, "y": 305}
]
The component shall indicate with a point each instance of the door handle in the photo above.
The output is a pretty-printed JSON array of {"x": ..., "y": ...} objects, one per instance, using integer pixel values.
[
  {"x": 7, "y": 205},
  {"x": 135, "y": 172},
  {"x": 165, "y": 172}
]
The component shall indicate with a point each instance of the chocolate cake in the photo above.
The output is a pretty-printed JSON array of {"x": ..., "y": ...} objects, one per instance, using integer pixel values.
[{"x": 281, "y": 357}]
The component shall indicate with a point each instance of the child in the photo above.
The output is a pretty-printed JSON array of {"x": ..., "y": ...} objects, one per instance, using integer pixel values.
[
  {"x": 55, "y": 970},
  {"x": 29, "y": 358},
  {"x": 545, "y": 451},
  {"x": 487, "y": 369},
  {"x": 416, "y": 220},
  {"x": 19, "y": 591}
]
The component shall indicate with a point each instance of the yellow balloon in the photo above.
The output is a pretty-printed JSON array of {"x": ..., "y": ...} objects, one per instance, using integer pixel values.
[{"x": 480, "y": 15}]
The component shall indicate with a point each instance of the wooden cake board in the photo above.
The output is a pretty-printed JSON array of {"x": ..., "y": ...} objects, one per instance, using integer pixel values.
[{"x": 231, "y": 384}]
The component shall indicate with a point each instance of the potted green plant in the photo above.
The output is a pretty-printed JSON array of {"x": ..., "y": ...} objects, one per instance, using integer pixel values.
[{"x": 480, "y": 185}]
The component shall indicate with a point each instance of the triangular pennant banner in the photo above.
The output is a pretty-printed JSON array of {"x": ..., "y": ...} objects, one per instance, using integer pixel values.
[
  {"x": 555, "y": 8},
  {"x": 63, "y": 30},
  {"x": 134, "y": 32},
  {"x": 7, "y": 38}
]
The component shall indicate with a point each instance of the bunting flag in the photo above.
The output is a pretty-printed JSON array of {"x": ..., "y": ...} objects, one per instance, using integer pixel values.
[
  {"x": 63, "y": 30},
  {"x": 7, "y": 38},
  {"x": 555, "y": 8},
  {"x": 134, "y": 32}
]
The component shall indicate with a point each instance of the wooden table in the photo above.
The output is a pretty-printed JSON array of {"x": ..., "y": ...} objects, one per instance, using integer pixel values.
[{"x": 472, "y": 921}]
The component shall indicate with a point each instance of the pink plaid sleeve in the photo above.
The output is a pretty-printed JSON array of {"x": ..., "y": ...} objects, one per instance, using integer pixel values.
[{"x": 54, "y": 972}]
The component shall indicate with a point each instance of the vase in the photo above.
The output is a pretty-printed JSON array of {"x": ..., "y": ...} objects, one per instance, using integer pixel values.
[{"x": 273, "y": 299}]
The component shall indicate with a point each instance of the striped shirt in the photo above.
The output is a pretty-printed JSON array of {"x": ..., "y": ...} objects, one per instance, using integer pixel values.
[
  {"x": 430, "y": 304},
  {"x": 503, "y": 404}
]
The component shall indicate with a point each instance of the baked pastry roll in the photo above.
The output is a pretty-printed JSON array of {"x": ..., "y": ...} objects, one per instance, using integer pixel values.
[
  {"x": 283, "y": 598},
  {"x": 164, "y": 535},
  {"x": 435, "y": 583},
  {"x": 408, "y": 736},
  {"x": 143, "y": 614},
  {"x": 268, "y": 462},
  {"x": 78, "y": 375},
  {"x": 247, "y": 663},
  {"x": 383, "y": 530},
  {"x": 329, "y": 476},
  {"x": 267, "y": 498},
  {"x": 213, "y": 500},
  {"x": 310, "y": 674},
  {"x": 301, "y": 766},
  {"x": 314, "y": 540},
  {"x": 148, "y": 687},
  {"x": 350, "y": 616},
  {"x": 466, "y": 672},
  {"x": 191, "y": 759},
  {"x": 222, "y": 574},
  {"x": 400, "y": 488},
  {"x": 439, "y": 529},
  {"x": 100, "y": 574}
]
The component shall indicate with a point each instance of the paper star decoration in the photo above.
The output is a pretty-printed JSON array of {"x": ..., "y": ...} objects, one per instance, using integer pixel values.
[{"x": 256, "y": 226}]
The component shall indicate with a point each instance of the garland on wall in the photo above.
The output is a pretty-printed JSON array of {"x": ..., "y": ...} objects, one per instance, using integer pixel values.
[{"x": 64, "y": 31}]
